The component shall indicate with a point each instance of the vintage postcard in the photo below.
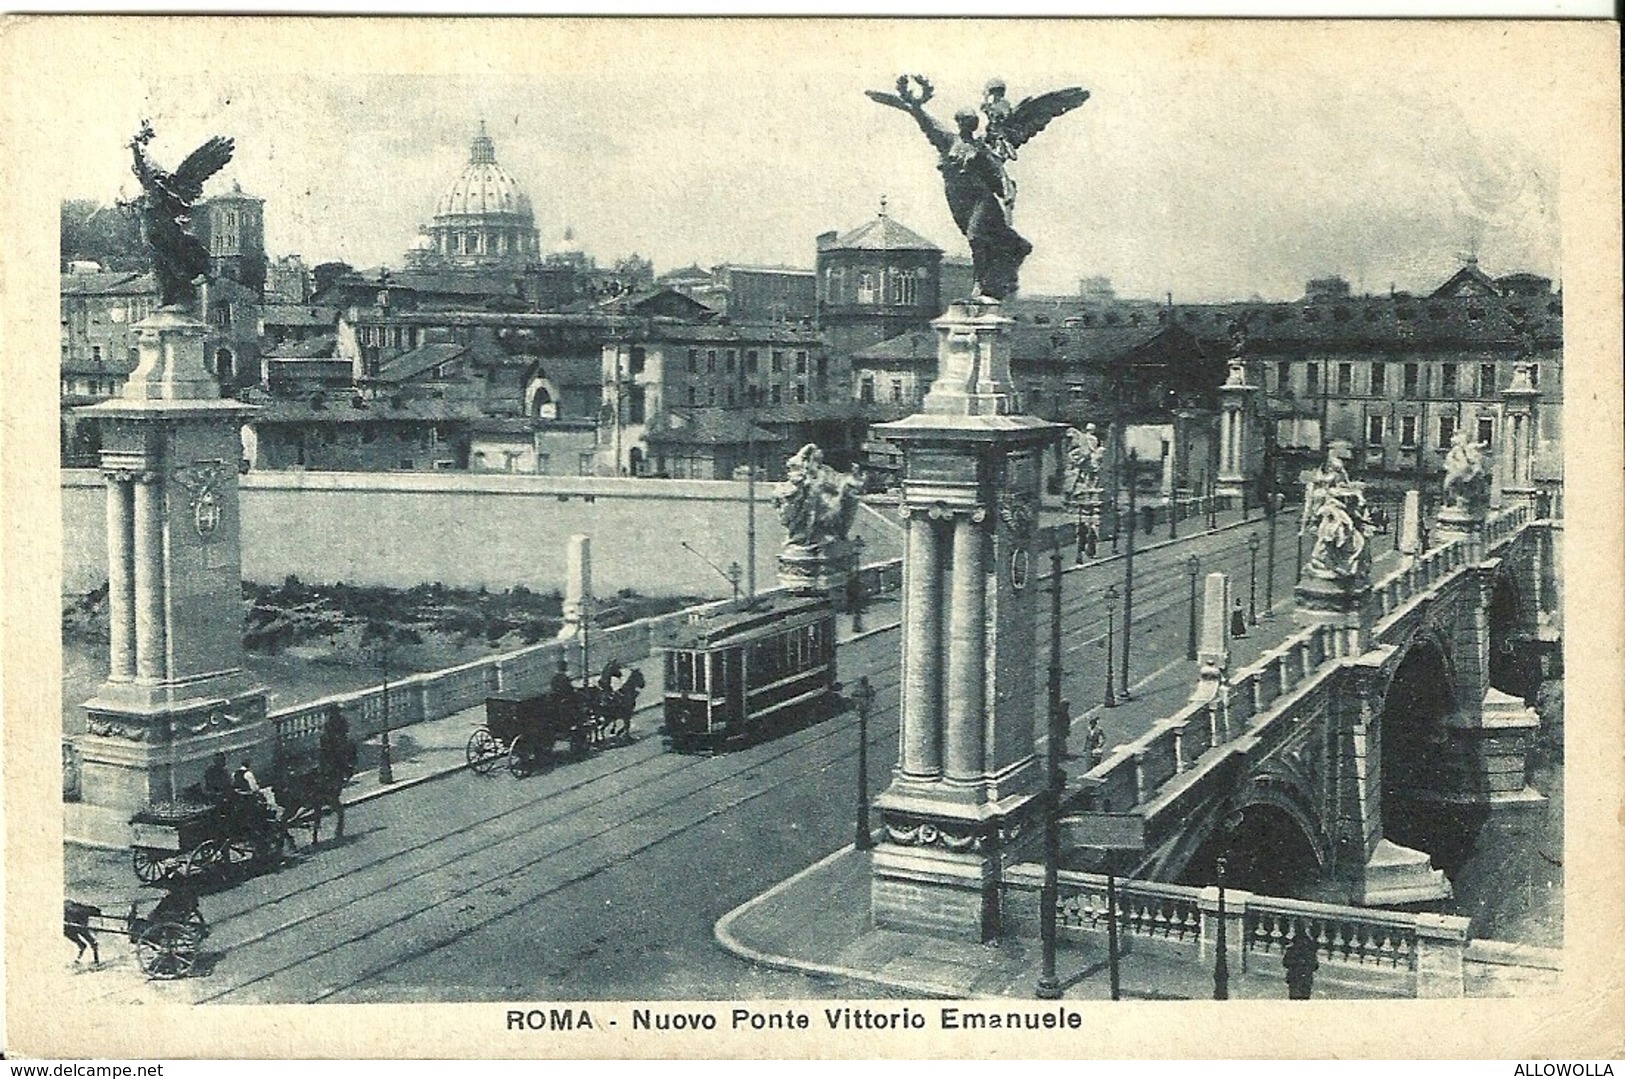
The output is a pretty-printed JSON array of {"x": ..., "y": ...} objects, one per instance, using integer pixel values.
[{"x": 811, "y": 538}]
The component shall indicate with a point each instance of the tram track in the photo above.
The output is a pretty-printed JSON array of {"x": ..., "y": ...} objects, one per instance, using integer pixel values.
[{"x": 742, "y": 769}]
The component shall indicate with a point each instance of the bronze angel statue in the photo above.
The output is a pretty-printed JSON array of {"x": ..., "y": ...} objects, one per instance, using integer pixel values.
[
  {"x": 165, "y": 207},
  {"x": 981, "y": 195}
]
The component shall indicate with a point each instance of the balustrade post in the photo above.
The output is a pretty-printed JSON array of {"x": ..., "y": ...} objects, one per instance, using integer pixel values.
[{"x": 1441, "y": 944}]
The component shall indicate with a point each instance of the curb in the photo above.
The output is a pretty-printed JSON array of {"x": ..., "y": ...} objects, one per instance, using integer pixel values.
[{"x": 723, "y": 932}]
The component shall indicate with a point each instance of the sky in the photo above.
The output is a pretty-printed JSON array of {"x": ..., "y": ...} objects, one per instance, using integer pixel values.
[{"x": 1212, "y": 167}]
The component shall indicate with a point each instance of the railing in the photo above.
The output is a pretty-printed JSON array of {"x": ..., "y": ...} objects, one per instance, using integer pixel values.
[
  {"x": 1415, "y": 954},
  {"x": 417, "y": 698}
]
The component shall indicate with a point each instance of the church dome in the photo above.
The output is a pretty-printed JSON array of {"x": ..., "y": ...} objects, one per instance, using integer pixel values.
[
  {"x": 484, "y": 187},
  {"x": 484, "y": 219}
]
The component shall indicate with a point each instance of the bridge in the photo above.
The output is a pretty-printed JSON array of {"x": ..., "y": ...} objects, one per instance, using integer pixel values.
[{"x": 1357, "y": 751}]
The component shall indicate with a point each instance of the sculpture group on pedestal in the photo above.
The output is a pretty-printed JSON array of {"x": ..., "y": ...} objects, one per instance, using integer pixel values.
[
  {"x": 1334, "y": 508},
  {"x": 1466, "y": 480},
  {"x": 165, "y": 206},
  {"x": 1084, "y": 454},
  {"x": 816, "y": 503}
]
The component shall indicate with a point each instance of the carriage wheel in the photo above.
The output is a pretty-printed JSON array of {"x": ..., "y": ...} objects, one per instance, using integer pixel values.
[
  {"x": 148, "y": 868},
  {"x": 167, "y": 950},
  {"x": 520, "y": 758},
  {"x": 200, "y": 860},
  {"x": 483, "y": 752}
]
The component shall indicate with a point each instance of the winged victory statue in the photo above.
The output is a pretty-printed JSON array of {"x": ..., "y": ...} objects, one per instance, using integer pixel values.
[
  {"x": 981, "y": 195},
  {"x": 165, "y": 208}
]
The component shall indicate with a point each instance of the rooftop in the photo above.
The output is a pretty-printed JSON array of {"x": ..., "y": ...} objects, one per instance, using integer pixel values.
[{"x": 881, "y": 234}]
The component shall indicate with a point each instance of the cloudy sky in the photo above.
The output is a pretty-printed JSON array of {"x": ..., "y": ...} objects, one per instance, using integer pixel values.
[{"x": 1213, "y": 165}]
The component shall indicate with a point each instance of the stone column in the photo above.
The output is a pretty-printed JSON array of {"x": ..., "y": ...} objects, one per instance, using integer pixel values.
[
  {"x": 151, "y": 663},
  {"x": 1519, "y": 437},
  {"x": 966, "y": 652},
  {"x": 120, "y": 579},
  {"x": 577, "y": 583},
  {"x": 1234, "y": 396},
  {"x": 1214, "y": 653},
  {"x": 922, "y": 667},
  {"x": 1410, "y": 527}
]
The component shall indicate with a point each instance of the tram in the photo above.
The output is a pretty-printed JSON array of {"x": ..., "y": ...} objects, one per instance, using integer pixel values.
[{"x": 735, "y": 676}]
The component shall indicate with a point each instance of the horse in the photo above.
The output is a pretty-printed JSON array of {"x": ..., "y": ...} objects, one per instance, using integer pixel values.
[
  {"x": 306, "y": 796},
  {"x": 614, "y": 707},
  {"x": 76, "y": 927}
]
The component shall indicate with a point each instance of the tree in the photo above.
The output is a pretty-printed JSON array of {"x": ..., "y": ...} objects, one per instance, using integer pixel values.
[
  {"x": 328, "y": 272},
  {"x": 95, "y": 232}
]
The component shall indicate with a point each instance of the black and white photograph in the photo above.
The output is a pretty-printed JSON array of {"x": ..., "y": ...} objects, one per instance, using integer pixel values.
[{"x": 792, "y": 537}]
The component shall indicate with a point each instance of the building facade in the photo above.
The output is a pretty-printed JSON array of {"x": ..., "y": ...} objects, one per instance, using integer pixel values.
[{"x": 875, "y": 282}]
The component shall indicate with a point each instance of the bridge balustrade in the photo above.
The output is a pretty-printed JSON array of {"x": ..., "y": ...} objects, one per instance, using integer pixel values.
[{"x": 1415, "y": 954}]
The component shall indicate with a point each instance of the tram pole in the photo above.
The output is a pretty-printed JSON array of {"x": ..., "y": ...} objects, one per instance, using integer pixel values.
[
  {"x": 1049, "y": 987},
  {"x": 864, "y": 697},
  {"x": 1128, "y": 572}
]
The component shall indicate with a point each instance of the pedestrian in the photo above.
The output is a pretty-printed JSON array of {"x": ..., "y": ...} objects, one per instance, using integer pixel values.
[
  {"x": 1238, "y": 620},
  {"x": 1095, "y": 742},
  {"x": 1301, "y": 960},
  {"x": 216, "y": 779}
]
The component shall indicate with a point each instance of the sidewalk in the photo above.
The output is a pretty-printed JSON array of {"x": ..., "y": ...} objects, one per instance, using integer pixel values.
[
  {"x": 424, "y": 751},
  {"x": 817, "y": 923}
]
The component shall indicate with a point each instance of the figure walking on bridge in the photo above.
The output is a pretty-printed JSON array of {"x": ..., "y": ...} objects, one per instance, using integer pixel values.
[{"x": 1301, "y": 960}]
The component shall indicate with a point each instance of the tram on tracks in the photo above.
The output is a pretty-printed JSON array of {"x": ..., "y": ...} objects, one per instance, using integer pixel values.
[{"x": 735, "y": 676}]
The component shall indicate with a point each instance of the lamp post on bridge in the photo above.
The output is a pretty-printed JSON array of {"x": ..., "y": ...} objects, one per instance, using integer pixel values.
[
  {"x": 1128, "y": 573},
  {"x": 1110, "y": 698},
  {"x": 1221, "y": 958},
  {"x": 1060, "y": 720},
  {"x": 1269, "y": 562},
  {"x": 864, "y": 697},
  {"x": 1193, "y": 566},
  {"x": 1252, "y": 579}
]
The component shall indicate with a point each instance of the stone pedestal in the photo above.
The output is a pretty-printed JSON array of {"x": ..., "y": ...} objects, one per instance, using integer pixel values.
[
  {"x": 1489, "y": 755},
  {"x": 1213, "y": 656},
  {"x": 577, "y": 584},
  {"x": 1458, "y": 522},
  {"x": 1398, "y": 876},
  {"x": 176, "y": 692},
  {"x": 1235, "y": 398},
  {"x": 1520, "y": 438},
  {"x": 821, "y": 569},
  {"x": 1342, "y": 603},
  {"x": 967, "y": 783}
]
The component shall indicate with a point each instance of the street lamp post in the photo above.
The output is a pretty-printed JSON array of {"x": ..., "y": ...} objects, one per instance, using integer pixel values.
[
  {"x": 1252, "y": 579},
  {"x": 1212, "y": 503},
  {"x": 1221, "y": 958},
  {"x": 1269, "y": 562},
  {"x": 1300, "y": 553},
  {"x": 1082, "y": 540},
  {"x": 734, "y": 576},
  {"x": 864, "y": 697},
  {"x": 386, "y": 771},
  {"x": 1128, "y": 573},
  {"x": 1110, "y": 699},
  {"x": 1193, "y": 566}
]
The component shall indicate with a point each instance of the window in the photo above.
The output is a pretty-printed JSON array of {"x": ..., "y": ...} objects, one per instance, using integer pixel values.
[
  {"x": 637, "y": 360},
  {"x": 1447, "y": 379},
  {"x": 1447, "y": 431},
  {"x": 896, "y": 389},
  {"x": 778, "y": 361},
  {"x": 777, "y": 394},
  {"x": 1379, "y": 379},
  {"x": 750, "y": 361},
  {"x": 1407, "y": 432},
  {"x": 1283, "y": 377},
  {"x": 711, "y": 395},
  {"x": 1413, "y": 380},
  {"x": 96, "y": 354},
  {"x": 1486, "y": 430},
  {"x": 693, "y": 361},
  {"x": 692, "y": 395},
  {"x": 822, "y": 365},
  {"x": 1534, "y": 375},
  {"x": 1311, "y": 378},
  {"x": 1345, "y": 379},
  {"x": 634, "y": 405},
  {"x": 729, "y": 358},
  {"x": 1374, "y": 430},
  {"x": 801, "y": 361},
  {"x": 866, "y": 389},
  {"x": 903, "y": 289},
  {"x": 867, "y": 293},
  {"x": 1486, "y": 380},
  {"x": 730, "y": 397},
  {"x": 710, "y": 361},
  {"x": 801, "y": 394}
]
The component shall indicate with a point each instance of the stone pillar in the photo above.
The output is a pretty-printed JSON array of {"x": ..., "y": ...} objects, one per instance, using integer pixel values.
[
  {"x": 1213, "y": 656},
  {"x": 922, "y": 650},
  {"x": 1520, "y": 437},
  {"x": 577, "y": 584},
  {"x": 151, "y": 661},
  {"x": 1410, "y": 528},
  {"x": 968, "y": 782},
  {"x": 120, "y": 578},
  {"x": 176, "y": 691},
  {"x": 966, "y": 654},
  {"x": 1441, "y": 945},
  {"x": 1235, "y": 397}
]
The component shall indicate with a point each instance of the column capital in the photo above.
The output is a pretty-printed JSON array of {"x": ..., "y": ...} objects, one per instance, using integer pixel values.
[{"x": 944, "y": 511}]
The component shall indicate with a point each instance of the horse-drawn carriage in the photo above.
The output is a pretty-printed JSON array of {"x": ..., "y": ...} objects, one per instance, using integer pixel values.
[
  {"x": 181, "y": 840},
  {"x": 526, "y": 730},
  {"x": 166, "y": 939}
]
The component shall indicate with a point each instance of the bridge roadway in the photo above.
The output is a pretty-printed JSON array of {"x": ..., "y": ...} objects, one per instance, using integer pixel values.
[{"x": 602, "y": 878}]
